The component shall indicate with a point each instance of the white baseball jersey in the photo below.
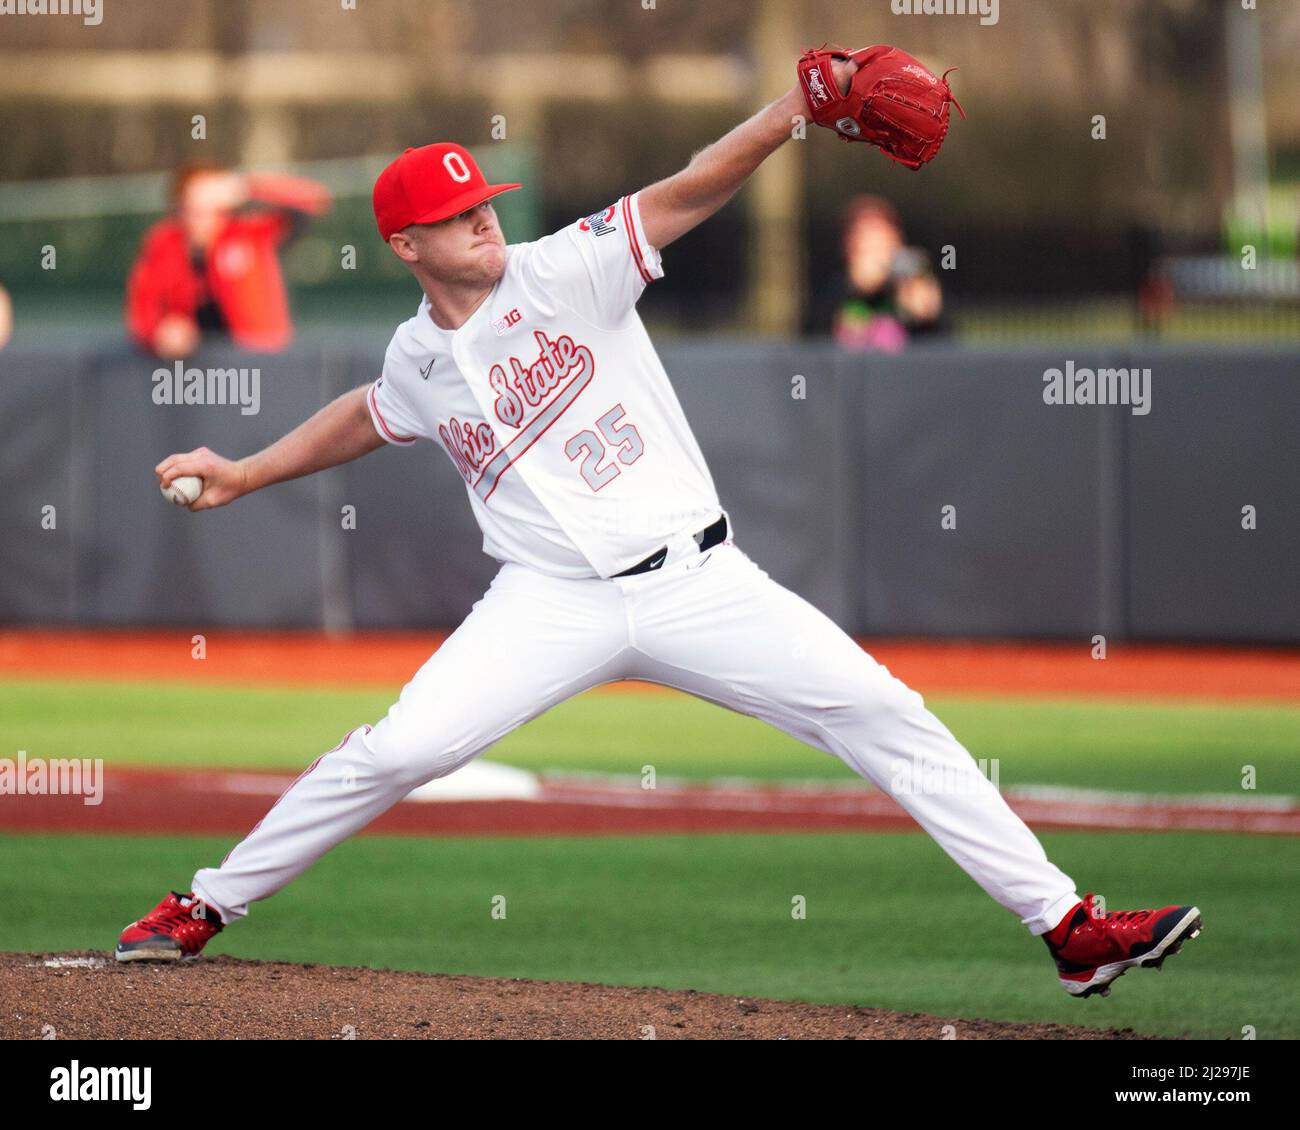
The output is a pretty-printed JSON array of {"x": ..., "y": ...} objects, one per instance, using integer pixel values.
[{"x": 554, "y": 406}]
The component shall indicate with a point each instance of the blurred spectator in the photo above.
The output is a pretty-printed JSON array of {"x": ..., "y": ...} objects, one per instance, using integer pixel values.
[
  {"x": 890, "y": 294},
  {"x": 1155, "y": 300},
  {"x": 212, "y": 267},
  {"x": 6, "y": 318}
]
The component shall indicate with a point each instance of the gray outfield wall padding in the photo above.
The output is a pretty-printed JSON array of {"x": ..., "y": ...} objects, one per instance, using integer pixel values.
[
  {"x": 976, "y": 504},
  {"x": 1066, "y": 520},
  {"x": 1228, "y": 439}
]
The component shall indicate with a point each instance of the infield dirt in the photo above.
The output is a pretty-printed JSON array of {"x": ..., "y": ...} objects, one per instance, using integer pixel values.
[{"x": 85, "y": 995}]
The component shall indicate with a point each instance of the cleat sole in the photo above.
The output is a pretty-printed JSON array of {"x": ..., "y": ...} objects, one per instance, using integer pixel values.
[{"x": 148, "y": 955}]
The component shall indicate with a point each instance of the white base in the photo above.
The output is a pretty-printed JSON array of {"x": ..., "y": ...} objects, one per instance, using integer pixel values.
[{"x": 481, "y": 780}]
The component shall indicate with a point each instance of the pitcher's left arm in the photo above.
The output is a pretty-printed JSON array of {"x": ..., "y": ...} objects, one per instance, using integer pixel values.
[{"x": 672, "y": 207}]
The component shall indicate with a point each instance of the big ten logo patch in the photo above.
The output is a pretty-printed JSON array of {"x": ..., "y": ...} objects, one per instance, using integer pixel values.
[
  {"x": 599, "y": 223},
  {"x": 503, "y": 323}
]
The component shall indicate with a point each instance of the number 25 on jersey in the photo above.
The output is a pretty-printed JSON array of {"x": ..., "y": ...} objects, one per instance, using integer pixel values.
[{"x": 622, "y": 440}]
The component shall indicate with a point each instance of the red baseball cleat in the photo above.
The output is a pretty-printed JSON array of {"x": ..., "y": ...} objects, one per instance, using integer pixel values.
[
  {"x": 176, "y": 929},
  {"x": 1093, "y": 949}
]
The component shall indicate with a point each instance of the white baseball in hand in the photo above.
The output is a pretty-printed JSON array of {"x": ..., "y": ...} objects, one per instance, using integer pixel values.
[{"x": 184, "y": 489}]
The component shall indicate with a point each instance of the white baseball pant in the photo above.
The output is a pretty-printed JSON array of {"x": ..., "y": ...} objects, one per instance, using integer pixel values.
[{"x": 712, "y": 624}]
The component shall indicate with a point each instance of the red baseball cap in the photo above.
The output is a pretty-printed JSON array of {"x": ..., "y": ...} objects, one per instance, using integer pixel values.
[{"x": 432, "y": 183}]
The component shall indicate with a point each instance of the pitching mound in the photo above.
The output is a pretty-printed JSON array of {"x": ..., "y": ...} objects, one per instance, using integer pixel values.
[{"x": 88, "y": 995}]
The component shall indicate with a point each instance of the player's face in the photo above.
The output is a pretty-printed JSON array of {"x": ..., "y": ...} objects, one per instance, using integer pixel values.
[{"x": 468, "y": 249}]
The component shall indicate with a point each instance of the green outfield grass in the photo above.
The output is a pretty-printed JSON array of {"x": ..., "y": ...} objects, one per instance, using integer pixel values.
[
  {"x": 1146, "y": 746},
  {"x": 891, "y": 921}
]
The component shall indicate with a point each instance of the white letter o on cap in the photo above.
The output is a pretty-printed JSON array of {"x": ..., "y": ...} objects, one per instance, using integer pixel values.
[{"x": 455, "y": 166}]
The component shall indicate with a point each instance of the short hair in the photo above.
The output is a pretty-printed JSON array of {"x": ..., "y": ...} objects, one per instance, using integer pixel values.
[
  {"x": 869, "y": 208},
  {"x": 185, "y": 172}
]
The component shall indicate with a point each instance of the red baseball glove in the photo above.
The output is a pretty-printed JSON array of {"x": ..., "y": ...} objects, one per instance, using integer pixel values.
[{"x": 893, "y": 102}]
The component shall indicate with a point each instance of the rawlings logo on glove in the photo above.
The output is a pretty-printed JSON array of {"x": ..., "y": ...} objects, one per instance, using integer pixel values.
[{"x": 893, "y": 102}]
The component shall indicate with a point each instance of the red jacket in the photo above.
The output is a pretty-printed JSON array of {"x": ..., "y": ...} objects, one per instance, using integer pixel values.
[{"x": 243, "y": 269}]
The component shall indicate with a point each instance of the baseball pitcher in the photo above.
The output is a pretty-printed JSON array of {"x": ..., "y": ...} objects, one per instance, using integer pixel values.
[{"x": 529, "y": 365}]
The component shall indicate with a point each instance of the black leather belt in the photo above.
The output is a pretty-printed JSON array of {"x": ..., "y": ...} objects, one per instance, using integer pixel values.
[{"x": 707, "y": 538}]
